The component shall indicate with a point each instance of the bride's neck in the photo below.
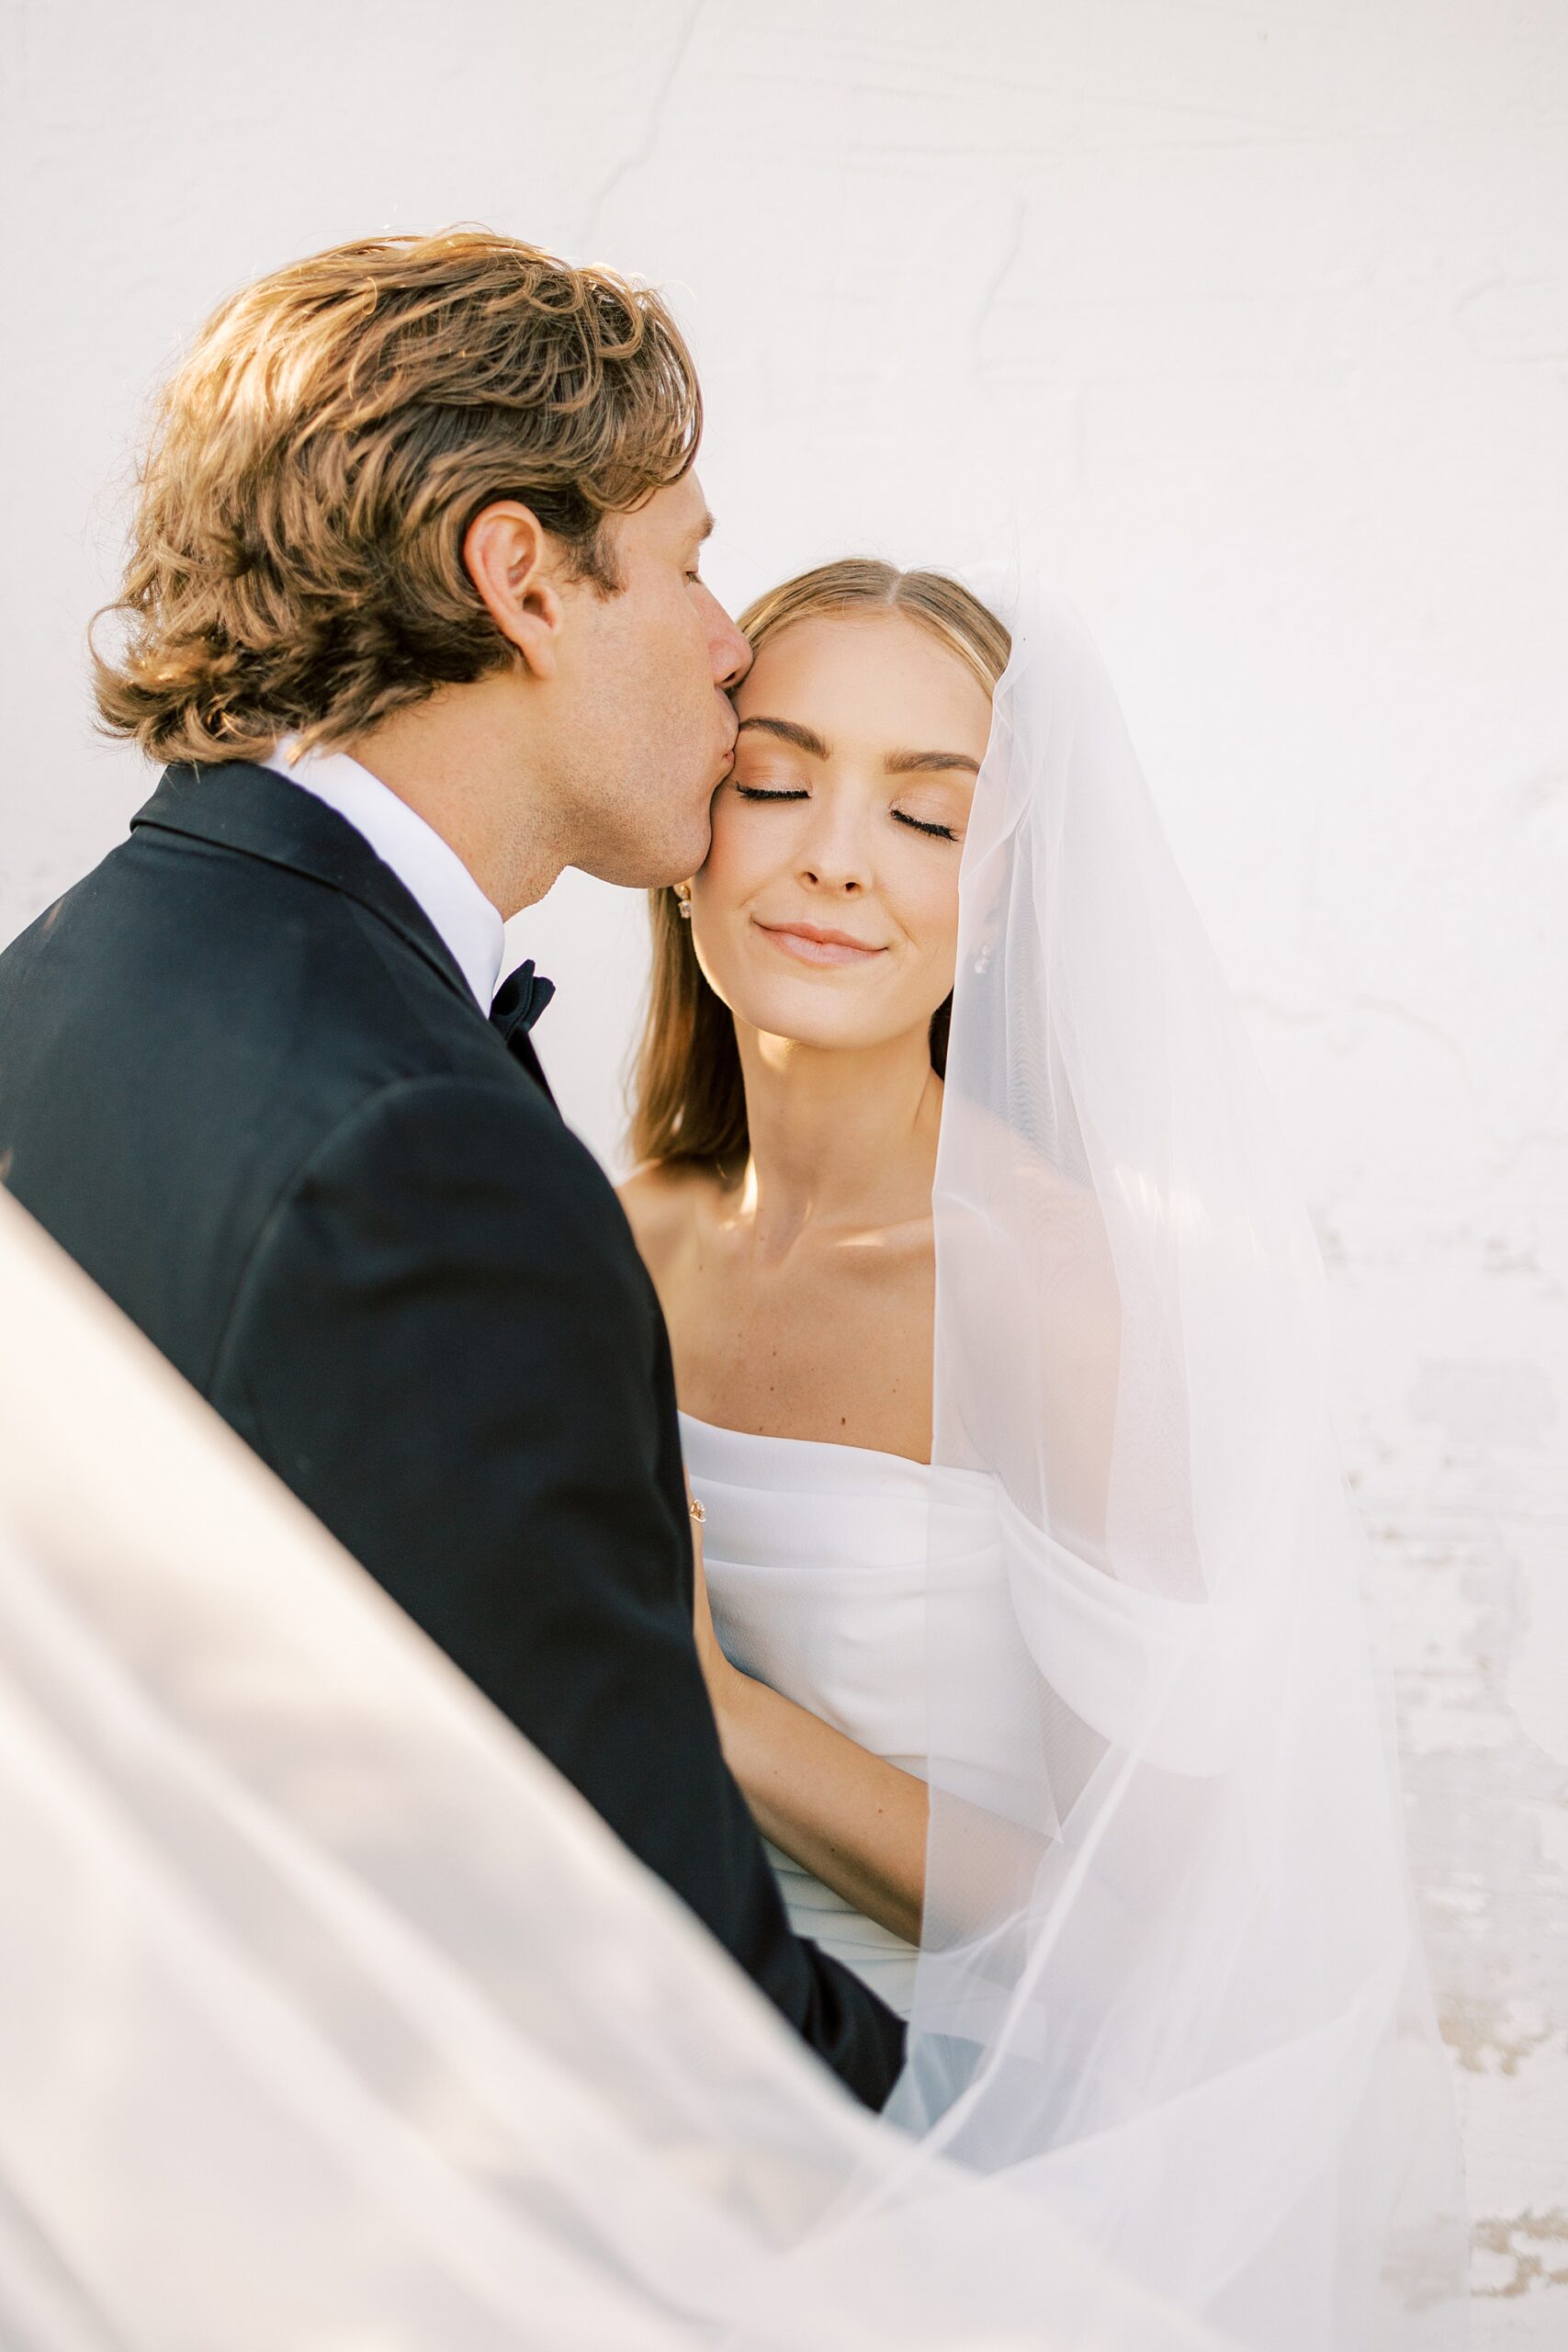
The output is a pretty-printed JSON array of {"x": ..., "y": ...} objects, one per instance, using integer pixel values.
[{"x": 838, "y": 1138}]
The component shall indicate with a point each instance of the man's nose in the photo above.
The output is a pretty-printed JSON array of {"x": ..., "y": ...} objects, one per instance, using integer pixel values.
[{"x": 731, "y": 653}]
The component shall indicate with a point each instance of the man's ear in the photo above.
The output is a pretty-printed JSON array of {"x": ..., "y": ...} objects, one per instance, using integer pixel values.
[{"x": 509, "y": 556}]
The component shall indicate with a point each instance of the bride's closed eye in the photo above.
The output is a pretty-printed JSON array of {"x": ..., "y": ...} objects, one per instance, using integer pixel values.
[
  {"x": 901, "y": 816},
  {"x": 922, "y": 825}
]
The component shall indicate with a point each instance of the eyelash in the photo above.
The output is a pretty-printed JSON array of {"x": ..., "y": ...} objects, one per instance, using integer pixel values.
[{"x": 916, "y": 824}]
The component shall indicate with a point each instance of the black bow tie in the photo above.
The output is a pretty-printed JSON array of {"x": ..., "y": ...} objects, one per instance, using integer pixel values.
[{"x": 519, "y": 1001}]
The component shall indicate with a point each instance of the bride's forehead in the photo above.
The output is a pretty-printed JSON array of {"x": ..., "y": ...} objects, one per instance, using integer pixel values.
[{"x": 855, "y": 676}]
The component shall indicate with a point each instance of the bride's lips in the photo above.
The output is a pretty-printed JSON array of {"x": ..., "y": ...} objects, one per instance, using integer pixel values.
[{"x": 809, "y": 945}]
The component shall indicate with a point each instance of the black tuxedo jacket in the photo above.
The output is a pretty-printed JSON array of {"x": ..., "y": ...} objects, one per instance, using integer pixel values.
[{"x": 244, "y": 1083}]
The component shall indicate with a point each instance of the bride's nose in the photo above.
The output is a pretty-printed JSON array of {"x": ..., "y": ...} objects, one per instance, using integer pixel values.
[{"x": 835, "y": 854}]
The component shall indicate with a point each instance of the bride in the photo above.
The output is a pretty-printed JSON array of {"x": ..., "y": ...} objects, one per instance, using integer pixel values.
[
  {"x": 789, "y": 1104},
  {"x": 1031, "y": 1618}
]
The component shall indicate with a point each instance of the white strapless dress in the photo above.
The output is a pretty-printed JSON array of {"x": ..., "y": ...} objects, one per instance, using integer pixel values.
[{"x": 815, "y": 1563}]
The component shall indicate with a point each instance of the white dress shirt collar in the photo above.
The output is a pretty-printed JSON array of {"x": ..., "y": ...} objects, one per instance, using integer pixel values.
[{"x": 428, "y": 867}]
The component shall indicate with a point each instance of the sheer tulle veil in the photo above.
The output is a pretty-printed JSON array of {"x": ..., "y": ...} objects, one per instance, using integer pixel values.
[
  {"x": 330, "y": 2016},
  {"x": 1178, "y": 1990}
]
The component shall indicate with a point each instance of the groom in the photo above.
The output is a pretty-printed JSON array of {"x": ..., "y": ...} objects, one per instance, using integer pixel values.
[{"x": 413, "y": 614}]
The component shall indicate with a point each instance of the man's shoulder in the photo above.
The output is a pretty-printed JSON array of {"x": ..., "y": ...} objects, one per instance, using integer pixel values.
[
  {"x": 201, "y": 1029},
  {"x": 243, "y": 957}
]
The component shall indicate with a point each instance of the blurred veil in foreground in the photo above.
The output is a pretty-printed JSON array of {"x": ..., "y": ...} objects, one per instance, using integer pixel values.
[{"x": 331, "y": 2017}]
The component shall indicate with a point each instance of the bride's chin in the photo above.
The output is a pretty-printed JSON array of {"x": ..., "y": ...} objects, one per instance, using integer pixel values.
[{"x": 789, "y": 1025}]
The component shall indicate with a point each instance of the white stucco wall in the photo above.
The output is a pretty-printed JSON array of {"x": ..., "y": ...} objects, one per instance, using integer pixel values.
[{"x": 1253, "y": 318}]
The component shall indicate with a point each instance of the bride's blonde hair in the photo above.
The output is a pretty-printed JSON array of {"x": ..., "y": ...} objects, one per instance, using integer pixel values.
[{"x": 687, "y": 1099}]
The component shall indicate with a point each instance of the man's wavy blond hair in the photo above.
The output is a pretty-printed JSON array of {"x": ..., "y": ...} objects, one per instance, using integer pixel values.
[{"x": 296, "y": 559}]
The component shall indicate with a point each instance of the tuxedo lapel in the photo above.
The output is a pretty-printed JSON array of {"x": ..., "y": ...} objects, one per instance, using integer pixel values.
[{"x": 254, "y": 813}]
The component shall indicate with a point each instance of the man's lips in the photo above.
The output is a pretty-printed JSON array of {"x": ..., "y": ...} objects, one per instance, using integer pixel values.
[{"x": 809, "y": 944}]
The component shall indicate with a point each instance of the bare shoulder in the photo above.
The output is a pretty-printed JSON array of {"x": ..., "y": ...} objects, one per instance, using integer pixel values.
[{"x": 664, "y": 1200}]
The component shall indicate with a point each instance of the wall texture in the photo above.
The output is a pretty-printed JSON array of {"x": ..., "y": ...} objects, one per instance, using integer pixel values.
[{"x": 1254, "y": 320}]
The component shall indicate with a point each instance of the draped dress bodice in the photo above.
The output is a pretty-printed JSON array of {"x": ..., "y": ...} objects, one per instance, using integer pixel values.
[{"x": 815, "y": 1557}]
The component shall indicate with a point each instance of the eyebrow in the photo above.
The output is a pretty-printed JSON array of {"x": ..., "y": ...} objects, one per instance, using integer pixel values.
[
  {"x": 932, "y": 762},
  {"x": 704, "y": 529},
  {"x": 806, "y": 739},
  {"x": 787, "y": 731}
]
